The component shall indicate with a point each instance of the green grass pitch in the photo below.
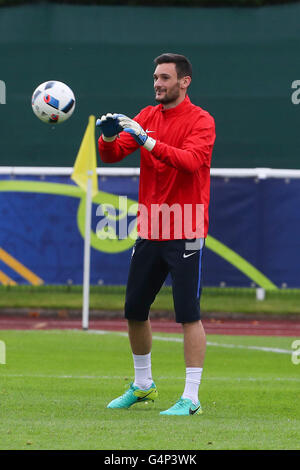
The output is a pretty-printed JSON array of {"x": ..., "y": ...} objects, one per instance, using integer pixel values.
[{"x": 55, "y": 386}]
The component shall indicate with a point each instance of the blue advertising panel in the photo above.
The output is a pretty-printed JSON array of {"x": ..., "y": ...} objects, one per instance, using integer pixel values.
[{"x": 254, "y": 234}]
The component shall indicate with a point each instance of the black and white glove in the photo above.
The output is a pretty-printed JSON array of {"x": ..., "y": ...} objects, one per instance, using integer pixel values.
[{"x": 137, "y": 132}]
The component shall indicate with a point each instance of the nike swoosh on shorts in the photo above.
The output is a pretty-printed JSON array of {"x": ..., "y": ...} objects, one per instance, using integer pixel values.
[{"x": 190, "y": 254}]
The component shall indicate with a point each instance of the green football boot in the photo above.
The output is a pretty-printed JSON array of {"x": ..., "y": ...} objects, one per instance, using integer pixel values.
[
  {"x": 134, "y": 395},
  {"x": 183, "y": 407}
]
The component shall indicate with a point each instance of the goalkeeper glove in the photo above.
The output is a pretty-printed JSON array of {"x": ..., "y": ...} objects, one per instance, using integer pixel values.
[
  {"x": 137, "y": 132},
  {"x": 109, "y": 126}
]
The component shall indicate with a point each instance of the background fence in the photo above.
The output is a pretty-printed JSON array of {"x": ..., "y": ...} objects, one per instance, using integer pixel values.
[
  {"x": 245, "y": 61},
  {"x": 245, "y": 64}
]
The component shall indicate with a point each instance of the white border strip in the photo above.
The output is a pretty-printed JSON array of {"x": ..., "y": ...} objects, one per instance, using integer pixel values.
[
  {"x": 63, "y": 171},
  {"x": 260, "y": 173}
]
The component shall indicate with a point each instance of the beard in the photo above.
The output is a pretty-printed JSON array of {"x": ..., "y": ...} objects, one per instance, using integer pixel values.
[{"x": 170, "y": 96}]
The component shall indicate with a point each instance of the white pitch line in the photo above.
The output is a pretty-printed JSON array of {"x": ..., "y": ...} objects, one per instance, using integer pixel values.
[
  {"x": 117, "y": 377},
  {"x": 209, "y": 343},
  {"x": 256, "y": 348}
]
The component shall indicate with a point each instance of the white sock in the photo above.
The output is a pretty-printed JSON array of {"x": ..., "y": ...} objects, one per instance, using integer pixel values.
[
  {"x": 192, "y": 382},
  {"x": 142, "y": 369}
]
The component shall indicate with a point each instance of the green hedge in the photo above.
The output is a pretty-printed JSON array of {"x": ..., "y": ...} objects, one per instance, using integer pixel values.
[{"x": 182, "y": 3}]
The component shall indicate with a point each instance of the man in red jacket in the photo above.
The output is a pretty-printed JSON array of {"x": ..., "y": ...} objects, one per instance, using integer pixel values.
[{"x": 176, "y": 139}]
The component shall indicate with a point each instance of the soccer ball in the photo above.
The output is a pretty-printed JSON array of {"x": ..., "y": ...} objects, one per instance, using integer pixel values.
[{"x": 53, "y": 102}]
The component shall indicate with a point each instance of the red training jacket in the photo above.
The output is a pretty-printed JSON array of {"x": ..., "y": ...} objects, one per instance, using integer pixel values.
[{"x": 175, "y": 175}]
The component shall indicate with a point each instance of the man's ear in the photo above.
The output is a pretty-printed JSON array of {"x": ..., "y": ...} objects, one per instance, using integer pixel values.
[{"x": 185, "y": 82}]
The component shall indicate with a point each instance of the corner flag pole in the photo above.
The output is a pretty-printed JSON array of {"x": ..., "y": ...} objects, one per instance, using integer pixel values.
[
  {"x": 85, "y": 175},
  {"x": 87, "y": 252}
]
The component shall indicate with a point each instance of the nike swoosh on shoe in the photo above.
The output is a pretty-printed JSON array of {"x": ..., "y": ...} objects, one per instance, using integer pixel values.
[
  {"x": 143, "y": 398},
  {"x": 192, "y": 412}
]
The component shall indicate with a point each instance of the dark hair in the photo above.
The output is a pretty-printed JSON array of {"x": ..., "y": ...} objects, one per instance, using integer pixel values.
[{"x": 182, "y": 64}]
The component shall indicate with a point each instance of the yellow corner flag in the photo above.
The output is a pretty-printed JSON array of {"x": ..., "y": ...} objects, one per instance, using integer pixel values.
[{"x": 86, "y": 162}]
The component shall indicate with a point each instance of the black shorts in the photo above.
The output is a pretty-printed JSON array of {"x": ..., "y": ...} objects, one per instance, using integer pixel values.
[{"x": 151, "y": 262}]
